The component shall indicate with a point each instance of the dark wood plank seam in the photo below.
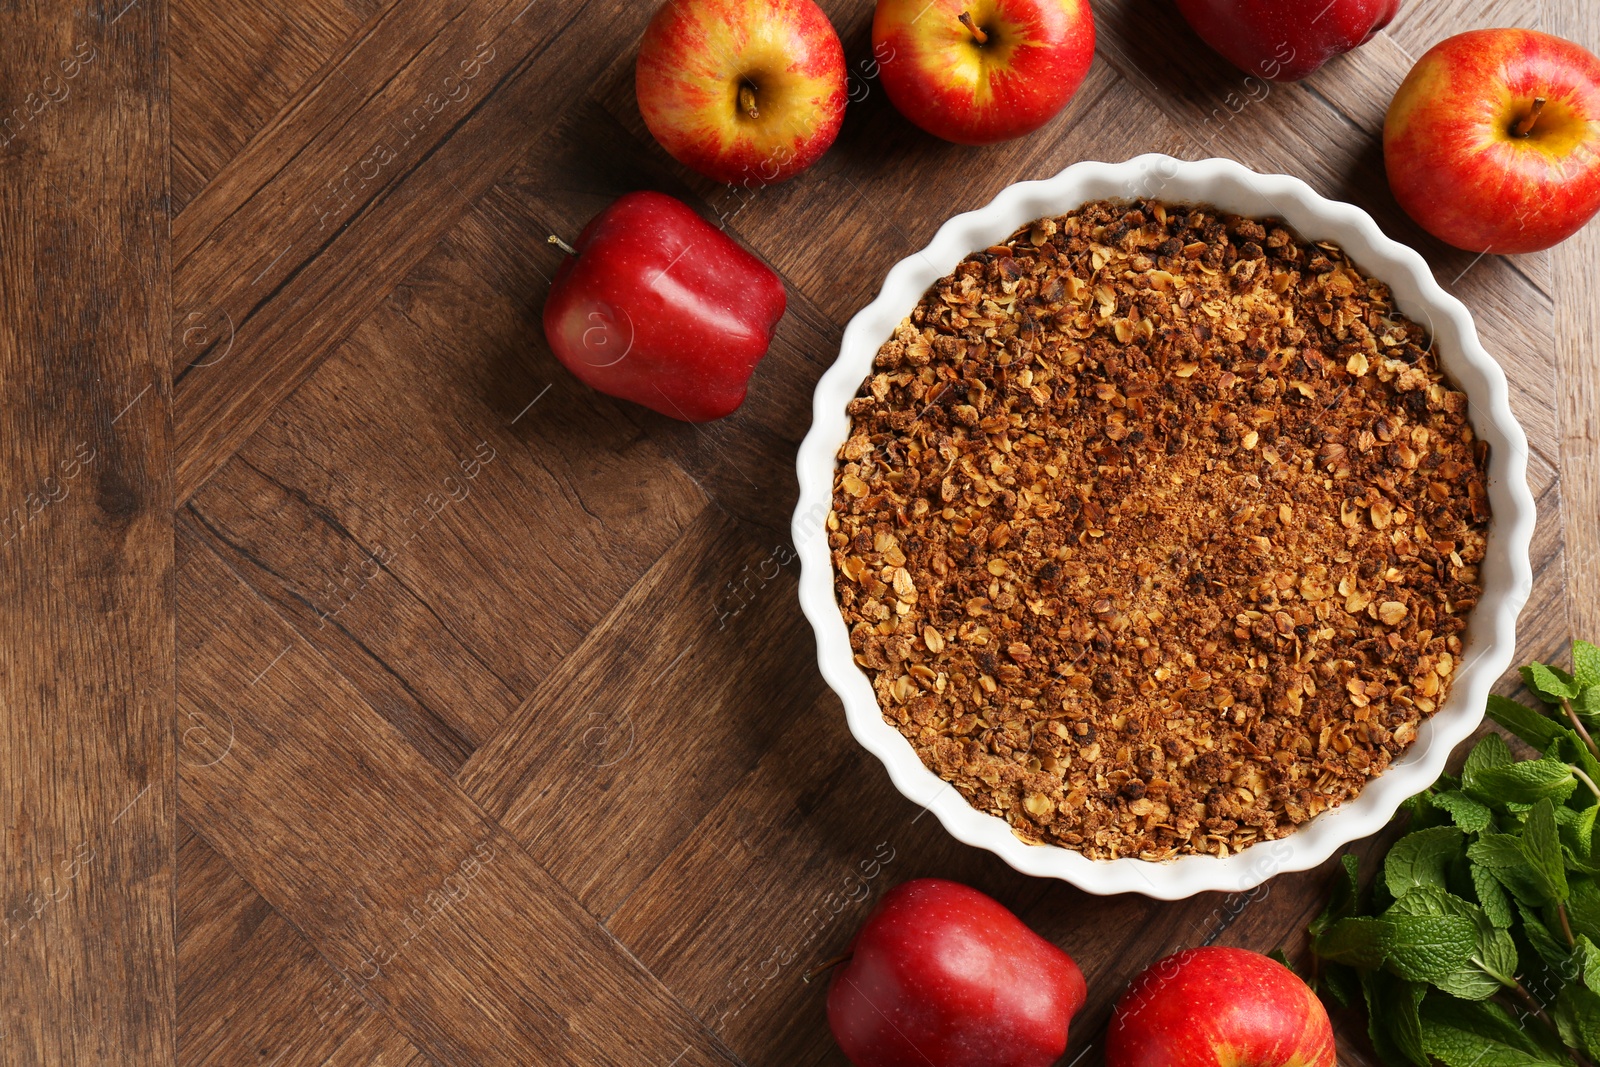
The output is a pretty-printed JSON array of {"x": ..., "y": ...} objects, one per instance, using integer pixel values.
[
  {"x": 1339, "y": 112},
  {"x": 462, "y": 743},
  {"x": 448, "y": 780},
  {"x": 316, "y": 84},
  {"x": 338, "y": 527},
  {"x": 492, "y": 824},
  {"x": 306, "y": 93},
  {"x": 716, "y": 1039},
  {"x": 448, "y": 132},
  {"x": 568, "y": 489},
  {"x": 468, "y": 747},
  {"x": 520, "y": 785},
  {"x": 382, "y": 196},
  {"x": 334, "y": 972}
]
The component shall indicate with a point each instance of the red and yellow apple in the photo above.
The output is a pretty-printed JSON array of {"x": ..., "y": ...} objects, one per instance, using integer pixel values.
[
  {"x": 1219, "y": 1007},
  {"x": 747, "y": 92},
  {"x": 1285, "y": 40},
  {"x": 1493, "y": 141},
  {"x": 982, "y": 71}
]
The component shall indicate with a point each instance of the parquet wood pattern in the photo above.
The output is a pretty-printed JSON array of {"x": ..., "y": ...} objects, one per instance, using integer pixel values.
[{"x": 413, "y": 703}]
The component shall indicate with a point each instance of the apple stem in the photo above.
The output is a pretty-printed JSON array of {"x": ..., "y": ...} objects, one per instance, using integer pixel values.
[
  {"x": 1526, "y": 123},
  {"x": 747, "y": 100},
  {"x": 559, "y": 243},
  {"x": 823, "y": 968},
  {"x": 976, "y": 30}
]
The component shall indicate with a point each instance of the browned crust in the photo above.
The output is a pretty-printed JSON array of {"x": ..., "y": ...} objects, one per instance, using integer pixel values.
[{"x": 1156, "y": 530}]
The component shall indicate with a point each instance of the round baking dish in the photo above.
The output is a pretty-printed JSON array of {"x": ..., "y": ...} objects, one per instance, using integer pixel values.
[{"x": 1490, "y": 636}]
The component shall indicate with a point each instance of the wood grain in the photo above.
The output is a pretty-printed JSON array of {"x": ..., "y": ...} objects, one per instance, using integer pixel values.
[
  {"x": 636, "y": 780},
  {"x": 498, "y": 731},
  {"x": 436, "y": 915},
  {"x": 502, "y": 465},
  {"x": 251, "y": 989},
  {"x": 86, "y": 742},
  {"x": 1578, "y": 370},
  {"x": 238, "y": 73},
  {"x": 662, "y": 700},
  {"x": 293, "y": 251}
]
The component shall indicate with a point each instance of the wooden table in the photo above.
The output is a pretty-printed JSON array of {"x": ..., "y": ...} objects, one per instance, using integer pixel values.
[{"x": 375, "y": 693}]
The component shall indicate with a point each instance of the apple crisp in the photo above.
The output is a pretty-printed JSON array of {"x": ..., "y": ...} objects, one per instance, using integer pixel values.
[{"x": 1157, "y": 528}]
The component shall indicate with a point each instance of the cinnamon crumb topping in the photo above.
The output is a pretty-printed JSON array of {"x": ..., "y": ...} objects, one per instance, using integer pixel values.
[{"x": 1157, "y": 528}]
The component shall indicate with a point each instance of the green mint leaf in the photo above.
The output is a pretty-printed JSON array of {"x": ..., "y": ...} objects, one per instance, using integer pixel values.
[
  {"x": 1431, "y": 900},
  {"x": 1359, "y": 942},
  {"x": 1566, "y": 1025},
  {"x": 1587, "y": 958},
  {"x": 1490, "y": 751},
  {"x": 1492, "y": 897},
  {"x": 1343, "y": 898},
  {"x": 1541, "y": 845},
  {"x": 1419, "y": 809},
  {"x": 1527, "y": 782},
  {"x": 1493, "y": 961},
  {"x": 1341, "y": 982},
  {"x": 1577, "y": 837},
  {"x": 1479, "y": 1034},
  {"x": 1580, "y": 1006},
  {"x": 1587, "y": 705},
  {"x": 1550, "y": 684},
  {"x": 1393, "y": 1019},
  {"x": 1585, "y": 664},
  {"x": 1496, "y": 851},
  {"x": 1534, "y": 727},
  {"x": 1426, "y": 948},
  {"x": 1467, "y": 813},
  {"x": 1521, "y": 884},
  {"x": 1469, "y": 983},
  {"x": 1497, "y": 955},
  {"x": 1420, "y": 859},
  {"x": 1549, "y": 948},
  {"x": 1583, "y": 907},
  {"x": 1569, "y": 748},
  {"x": 1378, "y": 896}
]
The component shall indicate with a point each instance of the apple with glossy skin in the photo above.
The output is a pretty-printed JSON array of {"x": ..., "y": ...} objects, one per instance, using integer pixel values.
[
  {"x": 981, "y": 71},
  {"x": 1493, "y": 141},
  {"x": 1285, "y": 40},
  {"x": 1219, "y": 1007},
  {"x": 748, "y": 92},
  {"x": 942, "y": 975},
  {"x": 657, "y": 306}
]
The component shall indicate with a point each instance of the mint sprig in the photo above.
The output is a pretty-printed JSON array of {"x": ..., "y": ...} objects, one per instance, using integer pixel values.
[{"x": 1479, "y": 944}]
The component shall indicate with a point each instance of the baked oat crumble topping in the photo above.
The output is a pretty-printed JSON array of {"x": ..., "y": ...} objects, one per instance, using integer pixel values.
[{"x": 1156, "y": 530}]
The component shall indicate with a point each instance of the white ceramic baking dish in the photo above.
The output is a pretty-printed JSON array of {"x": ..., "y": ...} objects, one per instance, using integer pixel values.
[{"x": 1490, "y": 636}]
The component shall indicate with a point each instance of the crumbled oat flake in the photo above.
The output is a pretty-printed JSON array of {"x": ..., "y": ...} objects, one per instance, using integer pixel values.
[{"x": 1157, "y": 529}]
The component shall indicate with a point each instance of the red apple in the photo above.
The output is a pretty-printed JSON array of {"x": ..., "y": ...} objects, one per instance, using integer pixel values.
[
  {"x": 981, "y": 71},
  {"x": 657, "y": 306},
  {"x": 1219, "y": 1007},
  {"x": 1285, "y": 40},
  {"x": 1493, "y": 141},
  {"x": 747, "y": 92},
  {"x": 943, "y": 976}
]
